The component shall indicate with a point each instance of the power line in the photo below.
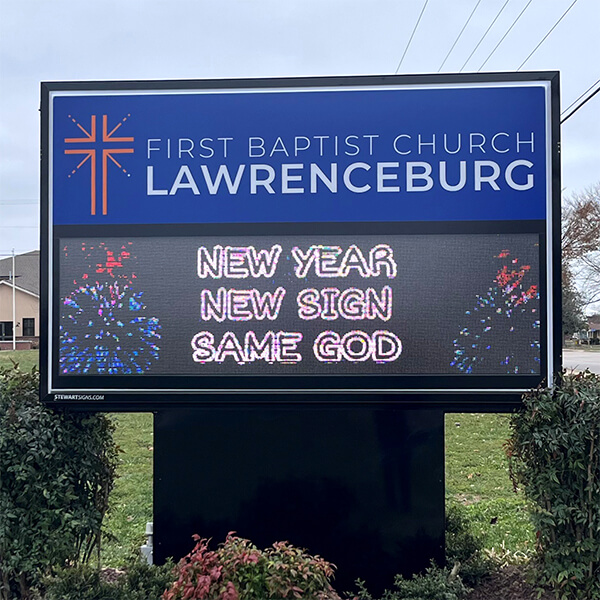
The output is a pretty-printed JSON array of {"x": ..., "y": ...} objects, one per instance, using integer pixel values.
[
  {"x": 579, "y": 106},
  {"x": 460, "y": 34},
  {"x": 484, "y": 35},
  {"x": 580, "y": 97},
  {"x": 411, "y": 36},
  {"x": 551, "y": 30},
  {"x": 504, "y": 36}
]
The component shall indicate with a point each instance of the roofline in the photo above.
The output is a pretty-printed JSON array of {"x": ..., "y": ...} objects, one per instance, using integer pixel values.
[{"x": 30, "y": 254}]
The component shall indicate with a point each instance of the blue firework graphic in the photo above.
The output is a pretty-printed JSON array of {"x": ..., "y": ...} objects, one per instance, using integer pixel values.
[
  {"x": 103, "y": 326},
  {"x": 501, "y": 333}
]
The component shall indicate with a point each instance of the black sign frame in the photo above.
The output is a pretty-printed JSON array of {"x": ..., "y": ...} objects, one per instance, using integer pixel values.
[{"x": 452, "y": 392}]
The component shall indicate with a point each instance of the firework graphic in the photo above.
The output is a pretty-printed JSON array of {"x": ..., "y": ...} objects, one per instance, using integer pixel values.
[
  {"x": 103, "y": 327},
  {"x": 491, "y": 340}
]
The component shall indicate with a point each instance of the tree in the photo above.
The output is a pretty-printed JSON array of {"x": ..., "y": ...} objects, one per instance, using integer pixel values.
[
  {"x": 581, "y": 224},
  {"x": 580, "y": 238},
  {"x": 572, "y": 306}
]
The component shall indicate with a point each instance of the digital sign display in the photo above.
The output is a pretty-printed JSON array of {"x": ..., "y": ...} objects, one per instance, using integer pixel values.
[
  {"x": 340, "y": 236},
  {"x": 272, "y": 305}
]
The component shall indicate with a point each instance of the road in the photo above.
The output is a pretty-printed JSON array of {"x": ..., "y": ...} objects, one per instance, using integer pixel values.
[{"x": 581, "y": 360}]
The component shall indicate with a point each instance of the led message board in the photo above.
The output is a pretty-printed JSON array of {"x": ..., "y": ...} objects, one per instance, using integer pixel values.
[{"x": 367, "y": 235}]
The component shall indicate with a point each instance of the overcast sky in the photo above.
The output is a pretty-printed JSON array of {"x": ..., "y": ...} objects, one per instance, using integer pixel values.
[{"x": 58, "y": 40}]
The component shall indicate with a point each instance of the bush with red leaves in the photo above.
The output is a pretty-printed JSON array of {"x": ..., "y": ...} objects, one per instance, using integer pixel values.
[{"x": 238, "y": 570}]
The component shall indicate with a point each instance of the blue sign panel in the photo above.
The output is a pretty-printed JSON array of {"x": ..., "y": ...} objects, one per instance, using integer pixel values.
[{"x": 467, "y": 152}]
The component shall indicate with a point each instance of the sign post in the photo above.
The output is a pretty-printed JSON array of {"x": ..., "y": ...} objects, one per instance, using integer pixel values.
[{"x": 366, "y": 241}]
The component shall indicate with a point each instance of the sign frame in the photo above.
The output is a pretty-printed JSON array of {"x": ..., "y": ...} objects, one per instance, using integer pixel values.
[{"x": 90, "y": 392}]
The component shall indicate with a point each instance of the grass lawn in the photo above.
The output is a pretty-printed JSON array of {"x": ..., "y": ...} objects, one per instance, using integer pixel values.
[
  {"x": 26, "y": 359},
  {"x": 131, "y": 499},
  {"x": 476, "y": 477}
]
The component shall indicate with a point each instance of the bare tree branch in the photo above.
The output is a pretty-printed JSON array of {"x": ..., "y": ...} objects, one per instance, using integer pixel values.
[
  {"x": 580, "y": 234},
  {"x": 580, "y": 238}
]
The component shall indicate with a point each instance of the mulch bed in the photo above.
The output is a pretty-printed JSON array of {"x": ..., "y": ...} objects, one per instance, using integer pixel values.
[
  {"x": 110, "y": 575},
  {"x": 509, "y": 583}
]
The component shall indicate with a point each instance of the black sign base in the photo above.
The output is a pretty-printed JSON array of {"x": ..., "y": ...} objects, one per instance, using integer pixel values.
[{"x": 362, "y": 487}]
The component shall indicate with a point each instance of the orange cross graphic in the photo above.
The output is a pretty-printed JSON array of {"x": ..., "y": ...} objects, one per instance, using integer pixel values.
[{"x": 90, "y": 154}]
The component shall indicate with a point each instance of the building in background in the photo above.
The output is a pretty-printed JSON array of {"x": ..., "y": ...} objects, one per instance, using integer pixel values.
[
  {"x": 27, "y": 301},
  {"x": 593, "y": 332}
]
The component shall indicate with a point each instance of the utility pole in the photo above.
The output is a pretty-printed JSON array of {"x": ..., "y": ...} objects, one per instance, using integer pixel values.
[{"x": 14, "y": 303}]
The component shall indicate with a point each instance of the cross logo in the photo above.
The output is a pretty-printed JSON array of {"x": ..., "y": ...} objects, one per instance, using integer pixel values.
[{"x": 91, "y": 154}]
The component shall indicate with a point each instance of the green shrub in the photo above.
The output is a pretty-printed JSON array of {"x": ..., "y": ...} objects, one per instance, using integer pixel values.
[
  {"x": 554, "y": 456},
  {"x": 464, "y": 547},
  {"x": 80, "y": 583},
  {"x": 138, "y": 582},
  {"x": 146, "y": 582},
  {"x": 435, "y": 584},
  {"x": 239, "y": 570},
  {"x": 56, "y": 472}
]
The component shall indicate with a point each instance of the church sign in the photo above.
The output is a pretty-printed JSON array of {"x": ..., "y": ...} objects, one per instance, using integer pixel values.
[{"x": 319, "y": 238}]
